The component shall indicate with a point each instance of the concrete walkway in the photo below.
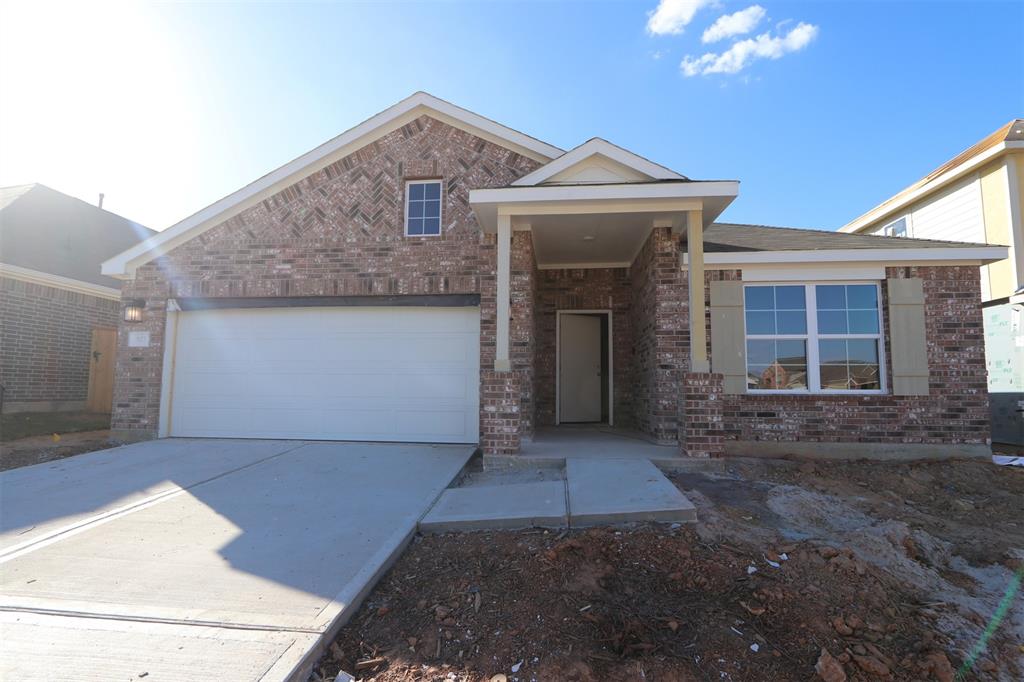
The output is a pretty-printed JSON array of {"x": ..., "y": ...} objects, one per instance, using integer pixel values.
[
  {"x": 201, "y": 559},
  {"x": 589, "y": 492}
]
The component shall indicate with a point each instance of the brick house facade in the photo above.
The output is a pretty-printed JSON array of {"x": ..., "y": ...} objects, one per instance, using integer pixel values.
[
  {"x": 336, "y": 234},
  {"x": 46, "y": 333}
]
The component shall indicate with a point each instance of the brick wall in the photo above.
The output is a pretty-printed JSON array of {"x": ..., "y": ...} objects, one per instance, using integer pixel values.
[
  {"x": 500, "y": 412},
  {"x": 660, "y": 319},
  {"x": 522, "y": 329},
  {"x": 336, "y": 232},
  {"x": 45, "y": 340},
  {"x": 592, "y": 289},
  {"x": 955, "y": 411}
]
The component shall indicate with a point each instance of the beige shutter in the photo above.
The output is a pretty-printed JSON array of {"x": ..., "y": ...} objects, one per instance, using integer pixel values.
[
  {"x": 908, "y": 350},
  {"x": 728, "y": 344}
]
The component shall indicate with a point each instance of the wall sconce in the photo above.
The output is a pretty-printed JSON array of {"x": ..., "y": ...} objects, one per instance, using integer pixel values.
[{"x": 133, "y": 310}]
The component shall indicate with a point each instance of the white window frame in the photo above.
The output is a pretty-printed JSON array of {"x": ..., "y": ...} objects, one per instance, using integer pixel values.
[
  {"x": 440, "y": 211},
  {"x": 812, "y": 337}
]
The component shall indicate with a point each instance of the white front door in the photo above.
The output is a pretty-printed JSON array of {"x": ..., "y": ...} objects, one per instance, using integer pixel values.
[
  {"x": 580, "y": 368},
  {"x": 348, "y": 373}
]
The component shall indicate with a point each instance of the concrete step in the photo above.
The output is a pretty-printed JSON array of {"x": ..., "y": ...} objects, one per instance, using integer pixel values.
[
  {"x": 610, "y": 491},
  {"x": 511, "y": 505}
]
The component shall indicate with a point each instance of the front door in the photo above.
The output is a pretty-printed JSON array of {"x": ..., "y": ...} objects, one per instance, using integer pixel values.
[
  {"x": 580, "y": 368},
  {"x": 101, "y": 370}
]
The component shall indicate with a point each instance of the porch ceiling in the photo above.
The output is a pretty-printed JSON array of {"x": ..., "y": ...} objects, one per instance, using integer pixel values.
[{"x": 597, "y": 240}]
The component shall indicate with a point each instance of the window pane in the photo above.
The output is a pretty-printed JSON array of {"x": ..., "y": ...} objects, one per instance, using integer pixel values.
[
  {"x": 832, "y": 351},
  {"x": 431, "y": 226},
  {"x": 415, "y": 209},
  {"x": 862, "y": 296},
  {"x": 830, "y": 296},
  {"x": 760, "y": 322},
  {"x": 760, "y": 351},
  {"x": 791, "y": 322},
  {"x": 791, "y": 352},
  {"x": 793, "y": 376},
  {"x": 432, "y": 209},
  {"x": 432, "y": 190},
  {"x": 790, "y": 298},
  {"x": 415, "y": 226},
  {"x": 863, "y": 321},
  {"x": 758, "y": 298},
  {"x": 832, "y": 322},
  {"x": 862, "y": 351},
  {"x": 755, "y": 375},
  {"x": 416, "y": 191}
]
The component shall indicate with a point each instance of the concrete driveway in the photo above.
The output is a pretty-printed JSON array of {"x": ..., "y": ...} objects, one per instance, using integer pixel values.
[{"x": 201, "y": 559}]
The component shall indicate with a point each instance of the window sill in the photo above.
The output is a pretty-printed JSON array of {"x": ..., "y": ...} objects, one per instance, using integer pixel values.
[{"x": 764, "y": 391}]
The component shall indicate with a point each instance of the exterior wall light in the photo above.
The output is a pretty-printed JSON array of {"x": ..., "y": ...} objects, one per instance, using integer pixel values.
[{"x": 133, "y": 310}]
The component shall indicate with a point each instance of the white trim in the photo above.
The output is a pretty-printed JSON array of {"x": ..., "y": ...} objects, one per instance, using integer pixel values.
[
  {"x": 1016, "y": 228},
  {"x": 885, "y": 209},
  {"x": 585, "y": 266},
  {"x": 165, "y": 424},
  {"x": 964, "y": 255},
  {"x": 58, "y": 282},
  {"x": 558, "y": 361},
  {"x": 668, "y": 190},
  {"x": 124, "y": 264},
  {"x": 780, "y": 272},
  {"x": 811, "y": 338},
  {"x": 440, "y": 210},
  {"x": 597, "y": 146}
]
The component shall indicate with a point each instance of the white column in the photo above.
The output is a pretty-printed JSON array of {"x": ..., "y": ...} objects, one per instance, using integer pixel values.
[
  {"x": 695, "y": 273},
  {"x": 501, "y": 359}
]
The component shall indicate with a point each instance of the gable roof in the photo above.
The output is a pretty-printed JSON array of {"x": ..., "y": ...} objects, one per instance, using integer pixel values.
[
  {"x": 1008, "y": 136},
  {"x": 598, "y": 149},
  {"x": 47, "y": 231},
  {"x": 371, "y": 129}
]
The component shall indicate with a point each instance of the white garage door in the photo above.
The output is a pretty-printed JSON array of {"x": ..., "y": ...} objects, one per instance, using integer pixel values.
[{"x": 391, "y": 374}]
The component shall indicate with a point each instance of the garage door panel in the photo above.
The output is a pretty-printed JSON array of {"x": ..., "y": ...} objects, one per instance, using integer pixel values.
[{"x": 333, "y": 373}]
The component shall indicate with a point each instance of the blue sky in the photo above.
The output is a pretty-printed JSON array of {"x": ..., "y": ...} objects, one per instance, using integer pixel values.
[{"x": 167, "y": 108}]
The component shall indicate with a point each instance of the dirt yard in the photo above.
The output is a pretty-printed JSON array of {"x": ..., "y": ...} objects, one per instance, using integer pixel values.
[
  {"x": 39, "y": 449},
  {"x": 837, "y": 571}
]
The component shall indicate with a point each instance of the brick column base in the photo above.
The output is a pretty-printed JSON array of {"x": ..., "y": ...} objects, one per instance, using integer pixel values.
[
  {"x": 500, "y": 416},
  {"x": 700, "y": 431}
]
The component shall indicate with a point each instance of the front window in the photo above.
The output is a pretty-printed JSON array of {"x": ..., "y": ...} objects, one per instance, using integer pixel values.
[
  {"x": 423, "y": 208},
  {"x": 813, "y": 337}
]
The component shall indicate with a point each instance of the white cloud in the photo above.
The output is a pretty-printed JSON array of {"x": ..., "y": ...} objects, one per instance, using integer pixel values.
[
  {"x": 744, "y": 52},
  {"x": 735, "y": 24},
  {"x": 672, "y": 16}
]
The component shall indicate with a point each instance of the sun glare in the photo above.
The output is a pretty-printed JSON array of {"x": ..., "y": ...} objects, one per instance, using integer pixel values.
[{"x": 95, "y": 98}]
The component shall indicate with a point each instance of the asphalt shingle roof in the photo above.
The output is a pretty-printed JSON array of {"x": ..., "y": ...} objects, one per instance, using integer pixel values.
[
  {"x": 48, "y": 231},
  {"x": 732, "y": 237}
]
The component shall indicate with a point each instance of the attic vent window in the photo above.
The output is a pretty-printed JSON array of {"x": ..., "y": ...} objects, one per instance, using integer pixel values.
[
  {"x": 897, "y": 228},
  {"x": 422, "y": 208}
]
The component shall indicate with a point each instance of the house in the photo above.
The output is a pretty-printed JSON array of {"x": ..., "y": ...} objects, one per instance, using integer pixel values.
[
  {"x": 58, "y": 314},
  {"x": 976, "y": 197},
  {"x": 434, "y": 276}
]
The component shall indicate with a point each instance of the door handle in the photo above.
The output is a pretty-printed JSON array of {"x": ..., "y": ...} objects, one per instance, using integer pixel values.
[{"x": 96, "y": 355}]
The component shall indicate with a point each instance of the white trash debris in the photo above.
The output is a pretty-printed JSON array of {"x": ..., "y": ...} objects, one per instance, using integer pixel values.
[
  {"x": 517, "y": 666},
  {"x": 754, "y": 647}
]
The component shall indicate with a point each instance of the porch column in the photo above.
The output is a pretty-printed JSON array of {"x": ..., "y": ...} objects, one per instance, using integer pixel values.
[
  {"x": 501, "y": 357},
  {"x": 695, "y": 274}
]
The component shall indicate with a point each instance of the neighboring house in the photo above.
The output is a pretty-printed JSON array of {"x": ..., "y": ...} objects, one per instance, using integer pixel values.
[
  {"x": 58, "y": 314},
  {"x": 976, "y": 197},
  {"x": 431, "y": 275}
]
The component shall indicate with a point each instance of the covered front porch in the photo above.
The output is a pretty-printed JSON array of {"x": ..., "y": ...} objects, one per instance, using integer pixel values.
[{"x": 597, "y": 324}]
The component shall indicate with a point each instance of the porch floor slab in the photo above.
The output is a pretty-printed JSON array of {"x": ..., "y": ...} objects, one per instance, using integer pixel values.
[
  {"x": 610, "y": 491},
  {"x": 511, "y": 505}
]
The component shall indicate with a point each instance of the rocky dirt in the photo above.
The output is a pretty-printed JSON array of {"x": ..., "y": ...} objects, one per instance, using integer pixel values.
[
  {"x": 837, "y": 571},
  {"x": 38, "y": 449}
]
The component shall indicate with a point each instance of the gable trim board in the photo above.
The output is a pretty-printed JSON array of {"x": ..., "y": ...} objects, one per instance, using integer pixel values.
[
  {"x": 124, "y": 264},
  {"x": 58, "y": 282}
]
